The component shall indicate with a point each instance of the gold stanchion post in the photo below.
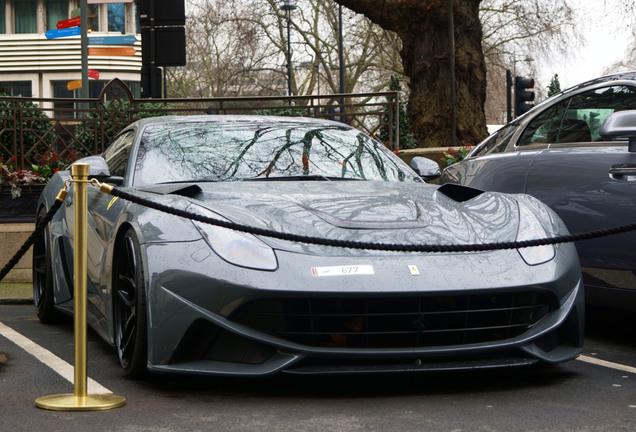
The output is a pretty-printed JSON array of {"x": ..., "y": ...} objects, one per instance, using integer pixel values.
[{"x": 80, "y": 400}]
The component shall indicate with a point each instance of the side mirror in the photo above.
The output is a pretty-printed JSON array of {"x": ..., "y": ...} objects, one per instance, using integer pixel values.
[
  {"x": 621, "y": 124},
  {"x": 97, "y": 166},
  {"x": 425, "y": 168}
]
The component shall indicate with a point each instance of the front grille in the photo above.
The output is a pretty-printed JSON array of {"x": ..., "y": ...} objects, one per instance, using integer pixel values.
[{"x": 398, "y": 322}]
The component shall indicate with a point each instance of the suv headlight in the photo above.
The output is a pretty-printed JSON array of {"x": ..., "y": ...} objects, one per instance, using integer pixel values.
[
  {"x": 235, "y": 247},
  {"x": 530, "y": 228}
]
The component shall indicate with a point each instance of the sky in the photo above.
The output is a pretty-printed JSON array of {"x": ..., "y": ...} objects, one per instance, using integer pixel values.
[{"x": 605, "y": 43}]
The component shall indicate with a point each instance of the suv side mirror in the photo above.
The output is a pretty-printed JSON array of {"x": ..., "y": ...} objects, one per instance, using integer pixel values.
[
  {"x": 425, "y": 168},
  {"x": 621, "y": 124}
]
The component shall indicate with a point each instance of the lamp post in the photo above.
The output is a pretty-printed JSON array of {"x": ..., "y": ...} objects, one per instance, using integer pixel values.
[
  {"x": 451, "y": 57},
  {"x": 288, "y": 6},
  {"x": 341, "y": 63}
]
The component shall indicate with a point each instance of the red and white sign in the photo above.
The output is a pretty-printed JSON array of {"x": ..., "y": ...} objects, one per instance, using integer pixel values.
[{"x": 67, "y": 23}]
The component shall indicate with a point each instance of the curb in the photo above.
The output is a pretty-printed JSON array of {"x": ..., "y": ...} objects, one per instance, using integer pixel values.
[{"x": 16, "y": 301}]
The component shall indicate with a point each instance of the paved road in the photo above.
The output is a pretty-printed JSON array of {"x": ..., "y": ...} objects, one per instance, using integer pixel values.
[{"x": 575, "y": 396}]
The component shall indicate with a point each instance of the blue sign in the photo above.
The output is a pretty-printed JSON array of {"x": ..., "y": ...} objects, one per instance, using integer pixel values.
[
  {"x": 72, "y": 31},
  {"x": 112, "y": 40}
]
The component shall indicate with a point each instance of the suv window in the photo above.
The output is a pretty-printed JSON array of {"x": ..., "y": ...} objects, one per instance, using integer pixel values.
[
  {"x": 578, "y": 118},
  {"x": 497, "y": 142}
]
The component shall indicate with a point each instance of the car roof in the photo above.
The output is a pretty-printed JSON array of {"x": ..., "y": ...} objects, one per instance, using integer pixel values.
[{"x": 622, "y": 76}]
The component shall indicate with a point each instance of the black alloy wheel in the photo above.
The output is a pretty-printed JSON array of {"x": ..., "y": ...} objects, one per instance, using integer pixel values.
[
  {"x": 43, "y": 296},
  {"x": 129, "y": 303}
]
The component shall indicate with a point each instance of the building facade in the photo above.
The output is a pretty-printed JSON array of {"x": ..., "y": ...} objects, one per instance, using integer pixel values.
[{"x": 32, "y": 65}]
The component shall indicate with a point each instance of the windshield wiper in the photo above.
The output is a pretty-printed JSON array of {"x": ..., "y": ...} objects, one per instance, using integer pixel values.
[
  {"x": 301, "y": 178},
  {"x": 202, "y": 180}
]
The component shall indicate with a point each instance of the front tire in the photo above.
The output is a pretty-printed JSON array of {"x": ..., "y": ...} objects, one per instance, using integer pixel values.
[
  {"x": 43, "y": 296},
  {"x": 129, "y": 303}
]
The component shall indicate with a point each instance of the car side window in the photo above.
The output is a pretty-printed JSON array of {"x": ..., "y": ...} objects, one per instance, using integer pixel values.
[
  {"x": 578, "y": 118},
  {"x": 497, "y": 142},
  {"x": 594, "y": 107},
  {"x": 545, "y": 126},
  {"x": 118, "y": 152}
]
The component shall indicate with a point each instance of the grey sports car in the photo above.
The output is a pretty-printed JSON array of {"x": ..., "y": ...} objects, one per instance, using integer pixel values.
[
  {"x": 176, "y": 295},
  {"x": 557, "y": 153}
]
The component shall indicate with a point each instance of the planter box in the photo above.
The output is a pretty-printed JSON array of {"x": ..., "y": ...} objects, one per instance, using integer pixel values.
[
  {"x": 21, "y": 209},
  {"x": 12, "y": 237}
]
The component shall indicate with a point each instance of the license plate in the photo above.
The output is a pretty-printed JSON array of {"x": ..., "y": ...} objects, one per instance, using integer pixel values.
[{"x": 350, "y": 270}]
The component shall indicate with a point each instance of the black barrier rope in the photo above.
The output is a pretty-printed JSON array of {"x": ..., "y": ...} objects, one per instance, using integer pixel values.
[
  {"x": 34, "y": 235},
  {"x": 367, "y": 245},
  {"x": 309, "y": 239}
]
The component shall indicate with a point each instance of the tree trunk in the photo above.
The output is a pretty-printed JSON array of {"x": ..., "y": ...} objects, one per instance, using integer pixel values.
[{"x": 423, "y": 27}]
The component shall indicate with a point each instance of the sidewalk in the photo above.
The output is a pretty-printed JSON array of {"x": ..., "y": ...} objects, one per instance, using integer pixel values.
[{"x": 16, "y": 293}]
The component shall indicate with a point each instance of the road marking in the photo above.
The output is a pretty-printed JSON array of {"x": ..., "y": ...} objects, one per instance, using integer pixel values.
[
  {"x": 64, "y": 369},
  {"x": 607, "y": 364}
]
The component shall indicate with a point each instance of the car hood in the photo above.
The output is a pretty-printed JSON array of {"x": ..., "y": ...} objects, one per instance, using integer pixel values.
[{"x": 364, "y": 211}]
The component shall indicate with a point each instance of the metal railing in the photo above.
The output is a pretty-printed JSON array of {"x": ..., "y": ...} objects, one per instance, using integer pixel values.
[{"x": 29, "y": 127}]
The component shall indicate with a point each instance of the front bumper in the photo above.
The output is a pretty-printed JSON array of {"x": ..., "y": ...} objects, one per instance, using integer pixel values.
[{"x": 210, "y": 317}]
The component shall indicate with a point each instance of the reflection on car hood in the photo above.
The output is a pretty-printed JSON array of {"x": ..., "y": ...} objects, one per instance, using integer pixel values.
[{"x": 366, "y": 211}]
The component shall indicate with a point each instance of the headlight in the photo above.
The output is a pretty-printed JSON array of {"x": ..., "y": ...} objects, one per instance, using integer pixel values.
[
  {"x": 530, "y": 228},
  {"x": 235, "y": 247}
]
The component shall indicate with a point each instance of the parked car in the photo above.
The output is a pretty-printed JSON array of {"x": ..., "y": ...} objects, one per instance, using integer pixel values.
[
  {"x": 176, "y": 295},
  {"x": 558, "y": 153}
]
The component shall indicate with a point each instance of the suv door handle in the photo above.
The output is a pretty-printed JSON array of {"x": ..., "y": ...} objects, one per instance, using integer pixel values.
[{"x": 622, "y": 170}]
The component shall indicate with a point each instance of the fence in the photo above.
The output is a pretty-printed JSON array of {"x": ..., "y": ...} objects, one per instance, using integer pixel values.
[{"x": 31, "y": 126}]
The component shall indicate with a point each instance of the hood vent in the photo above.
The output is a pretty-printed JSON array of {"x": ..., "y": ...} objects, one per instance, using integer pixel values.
[
  {"x": 189, "y": 191},
  {"x": 421, "y": 221},
  {"x": 459, "y": 193}
]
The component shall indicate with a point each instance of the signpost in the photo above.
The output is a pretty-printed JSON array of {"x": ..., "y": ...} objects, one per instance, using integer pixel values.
[
  {"x": 63, "y": 32},
  {"x": 71, "y": 22},
  {"x": 112, "y": 40},
  {"x": 74, "y": 85},
  {"x": 112, "y": 51},
  {"x": 71, "y": 27}
]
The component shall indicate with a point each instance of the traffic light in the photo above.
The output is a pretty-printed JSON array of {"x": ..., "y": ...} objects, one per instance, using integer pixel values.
[{"x": 524, "y": 95}]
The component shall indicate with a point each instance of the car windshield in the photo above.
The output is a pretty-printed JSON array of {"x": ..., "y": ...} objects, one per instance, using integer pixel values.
[{"x": 268, "y": 150}]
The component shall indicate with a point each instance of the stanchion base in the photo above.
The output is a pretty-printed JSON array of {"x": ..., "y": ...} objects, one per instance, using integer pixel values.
[{"x": 70, "y": 402}]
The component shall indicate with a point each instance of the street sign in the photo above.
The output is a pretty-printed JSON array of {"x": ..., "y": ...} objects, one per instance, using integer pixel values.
[
  {"x": 71, "y": 22},
  {"x": 166, "y": 13},
  {"x": 112, "y": 40},
  {"x": 74, "y": 85},
  {"x": 75, "y": 13},
  {"x": 119, "y": 51},
  {"x": 170, "y": 43},
  {"x": 53, "y": 34}
]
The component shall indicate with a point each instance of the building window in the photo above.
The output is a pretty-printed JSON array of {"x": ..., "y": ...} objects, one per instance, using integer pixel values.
[
  {"x": 56, "y": 10},
  {"x": 16, "y": 88},
  {"x": 3, "y": 26},
  {"x": 92, "y": 13},
  {"x": 117, "y": 17},
  {"x": 66, "y": 109},
  {"x": 36, "y": 16},
  {"x": 25, "y": 12},
  {"x": 63, "y": 109}
]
